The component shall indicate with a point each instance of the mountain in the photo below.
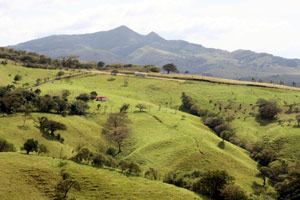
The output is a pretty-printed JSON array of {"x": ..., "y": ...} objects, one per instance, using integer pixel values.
[{"x": 125, "y": 45}]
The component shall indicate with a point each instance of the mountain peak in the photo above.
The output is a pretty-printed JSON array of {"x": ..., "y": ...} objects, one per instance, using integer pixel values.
[
  {"x": 154, "y": 35},
  {"x": 122, "y": 28}
]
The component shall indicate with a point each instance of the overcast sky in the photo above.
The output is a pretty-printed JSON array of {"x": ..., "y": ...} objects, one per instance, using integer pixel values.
[{"x": 261, "y": 25}]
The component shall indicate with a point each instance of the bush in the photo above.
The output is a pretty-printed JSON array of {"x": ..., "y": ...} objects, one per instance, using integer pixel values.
[
  {"x": 212, "y": 182},
  {"x": 130, "y": 167},
  {"x": 111, "y": 151},
  {"x": 83, "y": 97},
  {"x": 213, "y": 122},
  {"x": 42, "y": 149},
  {"x": 84, "y": 154},
  {"x": 222, "y": 127},
  {"x": 233, "y": 192},
  {"x": 6, "y": 146},
  {"x": 99, "y": 160}
]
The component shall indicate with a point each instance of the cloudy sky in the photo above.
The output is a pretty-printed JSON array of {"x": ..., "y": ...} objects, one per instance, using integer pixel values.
[{"x": 261, "y": 25}]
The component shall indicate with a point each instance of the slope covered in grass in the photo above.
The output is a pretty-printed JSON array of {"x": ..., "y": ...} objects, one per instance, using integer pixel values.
[
  {"x": 35, "y": 177},
  {"x": 163, "y": 137}
]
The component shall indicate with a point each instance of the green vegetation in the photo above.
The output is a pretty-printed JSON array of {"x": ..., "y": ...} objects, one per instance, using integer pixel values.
[{"x": 178, "y": 135}]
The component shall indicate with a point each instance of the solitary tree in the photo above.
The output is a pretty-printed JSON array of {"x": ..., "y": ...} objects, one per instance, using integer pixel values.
[
  {"x": 31, "y": 145},
  {"x": 141, "y": 106},
  {"x": 263, "y": 173},
  {"x": 65, "y": 186},
  {"x": 100, "y": 64},
  {"x": 268, "y": 109},
  {"x": 50, "y": 125},
  {"x": 117, "y": 128},
  {"x": 170, "y": 68}
]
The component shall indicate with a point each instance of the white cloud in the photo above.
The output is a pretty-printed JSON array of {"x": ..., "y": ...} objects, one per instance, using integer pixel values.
[{"x": 260, "y": 25}]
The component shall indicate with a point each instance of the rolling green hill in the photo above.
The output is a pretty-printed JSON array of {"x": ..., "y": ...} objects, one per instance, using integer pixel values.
[{"x": 163, "y": 138}]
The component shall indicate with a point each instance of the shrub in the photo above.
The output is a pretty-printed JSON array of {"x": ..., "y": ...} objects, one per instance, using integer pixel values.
[
  {"x": 84, "y": 154},
  {"x": 111, "y": 151},
  {"x": 42, "y": 149},
  {"x": 152, "y": 174},
  {"x": 99, "y": 160},
  {"x": 222, "y": 127},
  {"x": 130, "y": 167},
  {"x": 83, "y": 97},
  {"x": 212, "y": 182},
  {"x": 213, "y": 122},
  {"x": 110, "y": 162},
  {"x": 233, "y": 192},
  {"x": 6, "y": 146}
]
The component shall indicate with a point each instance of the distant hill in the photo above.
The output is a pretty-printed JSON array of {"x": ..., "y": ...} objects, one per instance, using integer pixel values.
[{"x": 124, "y": 45}]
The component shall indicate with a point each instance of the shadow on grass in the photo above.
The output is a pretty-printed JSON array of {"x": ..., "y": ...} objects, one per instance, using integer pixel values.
[
  {"x": 24, "y": 128},
  {"x": 264, "y": 122}
]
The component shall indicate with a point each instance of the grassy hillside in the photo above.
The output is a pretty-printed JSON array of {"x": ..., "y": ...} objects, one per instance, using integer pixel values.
[
  {"x": 34, "y": 177},
  {"x": 163, "y": 137}
]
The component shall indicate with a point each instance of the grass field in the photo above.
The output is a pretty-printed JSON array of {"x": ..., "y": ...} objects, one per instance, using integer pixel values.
[
  {"x": 34, "y": 177},
  {"x": 162, "y": 138}
]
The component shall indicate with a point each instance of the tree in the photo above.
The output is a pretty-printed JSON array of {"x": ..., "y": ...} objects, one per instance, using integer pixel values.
[
  {"x": 170, "y": 67},
  {"x": 26, "y": 115},
  {"x": 79, "y": 108},
  {"x": 212, "y": 183},
  {"x": 65, "y": 186},
  {"x": 141, "y": 106},
  {"x": 31, "y": 145},
  {"x": 117, "y": 129},
  {"x": 17, "y": 78},
  {"x": 50, "y": 125},
  {"x": 100, "y": 65},
  {"x": 93, "y": 95},
  {"x": 152, "y": 174},
  {"x": 267, "y": 109},
  {"x": 290, "y": 188},
  {"x": 37, "y": 91},
  {"x": 124, "y": 107},
  {"x": 38, "y": 81},
  {"x": 264, "y": 172},
  {"x": 83, "y": 97},
  {"x": 60, "y": 74},
  {"x": 226, "y": 135},
  {"x": 213, "y": 122}
]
